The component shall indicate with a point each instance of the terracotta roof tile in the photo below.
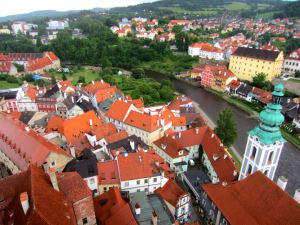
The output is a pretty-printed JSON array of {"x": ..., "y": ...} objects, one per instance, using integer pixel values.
[
  {"x": 42, "y": 200},
  {"x": 23, "y": 145},
  {"x": 143, "y": 121},
  {"x": 254, "y": 200},
  {"x": 108, "y": 172},
  {"x": 171, "y": 192},
  {"x": 118, "y": 110},
  {"x": 204, "y": 46},
  {"x": 73, "y": 186}
]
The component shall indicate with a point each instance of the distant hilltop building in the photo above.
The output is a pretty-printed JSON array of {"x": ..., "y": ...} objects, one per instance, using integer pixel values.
[
  {"x": 265, "y": 141},
  {"x": 247, "y": 62},
  {"x": 57, "y": 24}
]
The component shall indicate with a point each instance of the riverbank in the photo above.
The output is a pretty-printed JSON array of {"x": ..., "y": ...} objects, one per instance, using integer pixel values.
[{"x": 233, "y": 152}]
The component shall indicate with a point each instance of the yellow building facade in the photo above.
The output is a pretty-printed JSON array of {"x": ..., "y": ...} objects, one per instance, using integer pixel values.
[{"x": 245, "y": 63}]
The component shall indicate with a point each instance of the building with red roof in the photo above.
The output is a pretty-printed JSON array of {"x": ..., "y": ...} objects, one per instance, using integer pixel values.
[
  {"x": 29, "y": 198},
  {"x": 177, "y": 200},
  {"x": 78, "y": 195},
  {"x": 143, "y": 125},
  {"x": 181, "y": 101},
  {"x": 261, "y": 95},
  {"x": 222, "y": 77},
  {"x": 269, "y": 47},
  {"x": 112, "y": 209},
  {"x": 253, "y": 200},
  {"x": 149, "y": 176},
  {"x": 208, "y": 74},
  {"x": 178, "y": 148},
  {"x": 292, "y": 62},
  {"x": 43, "y": 64},
  {"x": 118, "y": 112},
  {"x": 21, "y": 147},
  {"x": 108, "y": 176},
  {"x": 205, "y": 50},
  {"x": 8, "y": 68}
]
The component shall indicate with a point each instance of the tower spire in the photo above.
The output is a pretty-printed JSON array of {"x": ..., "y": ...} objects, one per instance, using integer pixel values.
[{"x": 265, "y": 141}]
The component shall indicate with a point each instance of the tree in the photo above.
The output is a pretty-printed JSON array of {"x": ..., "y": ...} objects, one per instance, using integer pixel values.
[
  {"x": 81, "y": 79},
  {"x": 53, "y": 79},
  {"x": 297, "y": 73},
  {"x": 64, "y": 77},
  {"x": 259, "y": 80},
  {"x": 226, "y": 127},
  {"x": 138, "y": 73}
]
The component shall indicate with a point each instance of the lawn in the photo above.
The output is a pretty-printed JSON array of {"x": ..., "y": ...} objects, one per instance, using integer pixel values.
[
  {"x": 236, "y": 6},
  {"x": 4, "y": 84},
  {"x": 89, "y": 75},
  {"x": 208, "y": 11},
  {"x": 267, "y": 15},
  {"x": 262, "y": 6}
]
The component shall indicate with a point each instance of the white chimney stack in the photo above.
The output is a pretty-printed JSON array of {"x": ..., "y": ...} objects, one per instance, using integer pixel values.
[
  {"x": 282, "y": 182},
  {"x": 93, "y": 82},
  {"x": 91, "y": 122},
  {"x": 24, "y": 201},
  {"x": 179, "y": 134},
  {"x": 53, "y": 178},
  {"x": 197, "y": 130},
  {"x": 212, "y": 135},
  {"x": 101, "y": 81},
  {"x": 297, "y": 195},
  {"x": 137, "y": 209}
]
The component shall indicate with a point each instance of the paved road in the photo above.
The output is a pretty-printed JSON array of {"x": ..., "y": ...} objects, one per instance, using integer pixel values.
[{"x": 212, "y": 105}]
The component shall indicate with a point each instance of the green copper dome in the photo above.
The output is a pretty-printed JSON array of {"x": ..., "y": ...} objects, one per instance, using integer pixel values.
[{"x": 271, "y": 119}]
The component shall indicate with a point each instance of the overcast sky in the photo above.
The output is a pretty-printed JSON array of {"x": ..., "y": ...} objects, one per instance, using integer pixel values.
[{"x": 11, "y": 7}]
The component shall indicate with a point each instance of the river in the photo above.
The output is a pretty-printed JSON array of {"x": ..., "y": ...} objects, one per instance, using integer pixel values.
[{"x": 212, "y": 105}]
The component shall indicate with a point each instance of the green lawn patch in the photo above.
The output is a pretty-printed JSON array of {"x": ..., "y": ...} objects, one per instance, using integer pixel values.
[
  {"x": 4, "y": 84},
  {"x": 236, "y": 6},
  {"x": 89, "y": 75}
]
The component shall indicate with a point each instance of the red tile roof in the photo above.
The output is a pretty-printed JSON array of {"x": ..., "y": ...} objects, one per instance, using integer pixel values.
[
  {"x": 116, "y": 137},
  {"x": 234, "y": 84},
  {"x": 143, "y": 121},
  {"x": 264, "y": 96},
  {"x": 179, "y": 102},
  {"x": 24, "y": 147},
  {"x": 111, "y": 209},
  {"x": 104, "y": 131},
  {"x": 295, "y": 55},
  {"x": 118, "y": 110},
  {"x": 103, "y": 94},
  {"x": 204, "y": 46},
  {"x": 171, "y": 192},
  {"x": 171, "y": 146},
  {"x": 73, "y": 186},
  {"x": 74, "y": 127},
  {"x": 43, "y": 198},
  {"x": 5, "y": 67},
  {"x": 108, "y": 172},
  {"x": 36, "y": 64},
  {"x": 145, "y": 161},
  {"x": 255, "y": 200},
  {"x": 93, "y": 87},
  {"x": 219, "y": 157}
]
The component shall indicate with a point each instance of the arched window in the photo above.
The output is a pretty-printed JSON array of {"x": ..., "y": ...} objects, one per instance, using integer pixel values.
[
  {"x": 253, "y": 154},
  {"x": 270, "y": 159},
  {"x": 249, "y": 169},
  {"x": 266, "y": 172}
]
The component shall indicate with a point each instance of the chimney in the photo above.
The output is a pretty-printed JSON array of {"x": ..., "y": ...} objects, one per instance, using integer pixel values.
[
  {"x": 179, "y": 135},
  {"x": 235, "y": 173},
  {"x": 282, "y": 182},
  {"x": 297, "y": 195},
  {"x": 27, "y": 129},
  {"x": 212, "y": 135},
  {"x": 132, "y": 144},
  {"x": 225, "y": 156},
  {"x": 91, "y": 122},
  {"x": 53, "y": 178},
  {"x": 101, "y": 81},
  {"x": 197, "y": 130},
  {"x": 72, "y": 151},
  {"x": 93, "y": 82},
  {"x": 24, "y": 201},
  {"x": 72, "y": 99},
  {"x": 126, "y": 155},
  {"x": 137, "y": 208}
]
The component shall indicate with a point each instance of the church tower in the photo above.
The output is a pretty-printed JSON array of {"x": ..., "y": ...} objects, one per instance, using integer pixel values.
[{"x": 265, "y": 141}]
